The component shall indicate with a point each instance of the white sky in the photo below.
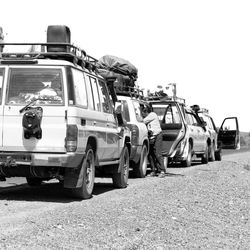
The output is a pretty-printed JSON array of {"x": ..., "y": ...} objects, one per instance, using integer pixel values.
[{"x": 202, "y": 46}]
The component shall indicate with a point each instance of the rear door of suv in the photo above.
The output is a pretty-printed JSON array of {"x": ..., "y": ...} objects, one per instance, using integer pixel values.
[{"x": 28, "y": 85}]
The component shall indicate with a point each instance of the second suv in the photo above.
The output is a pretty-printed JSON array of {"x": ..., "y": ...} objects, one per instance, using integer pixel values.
[{"x": 132, "y": 106}]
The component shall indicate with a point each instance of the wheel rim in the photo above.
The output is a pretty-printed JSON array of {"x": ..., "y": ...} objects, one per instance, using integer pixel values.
[{"x": 89, "y": 177}]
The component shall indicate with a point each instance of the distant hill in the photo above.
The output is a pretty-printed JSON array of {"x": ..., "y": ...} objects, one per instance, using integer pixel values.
[{"x": 245, "y": 139}]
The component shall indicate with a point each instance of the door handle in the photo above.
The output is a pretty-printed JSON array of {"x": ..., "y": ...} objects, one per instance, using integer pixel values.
[{"x": 94, "y": 122}]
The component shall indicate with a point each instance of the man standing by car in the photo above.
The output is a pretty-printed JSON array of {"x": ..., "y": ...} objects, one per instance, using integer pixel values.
[{"x": 155, "y": 136}]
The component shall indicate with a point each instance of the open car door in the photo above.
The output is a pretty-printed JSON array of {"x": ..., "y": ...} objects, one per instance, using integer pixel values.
[
  {"x": 172, "y": 125},
  {"x": 229, "y": 135}
]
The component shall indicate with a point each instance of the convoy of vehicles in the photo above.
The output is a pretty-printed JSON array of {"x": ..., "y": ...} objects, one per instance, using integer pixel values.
[
  {"x": 189, "y": 132},
  {"x": 63, "y": 116}
]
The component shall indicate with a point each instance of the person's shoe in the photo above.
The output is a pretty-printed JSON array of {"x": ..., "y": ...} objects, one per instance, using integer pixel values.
[
  {"x": 162, "y": 174},
  {"x": 152, "y": 174}
]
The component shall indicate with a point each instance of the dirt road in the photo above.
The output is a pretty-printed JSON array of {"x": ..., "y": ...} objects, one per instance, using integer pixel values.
[{"x": 201, "y": 207}]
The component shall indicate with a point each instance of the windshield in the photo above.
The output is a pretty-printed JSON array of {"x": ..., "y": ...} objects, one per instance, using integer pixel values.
[
  {"x": 28, "y": 84},
  {"x": 160, "y": 110},
  {"x": 168, "y": 113}
]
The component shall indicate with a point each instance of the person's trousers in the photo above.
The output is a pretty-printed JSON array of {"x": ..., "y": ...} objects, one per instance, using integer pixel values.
[{"x": 156, "y": 153}]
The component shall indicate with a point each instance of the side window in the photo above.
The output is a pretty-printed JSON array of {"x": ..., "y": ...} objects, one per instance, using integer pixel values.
[
  {"x": 25, "y": 84},
  {"x": 160, "y": 111},
  {"x": 1, "y": 83},
  {"x": 95, "y": 93},
  {"x": 79, "y": 88},
  {"x": 176, "y": 115},
  {"x": 213, "y": 124},
  {"x": 137, "y": 109},
  {"x": 125, "y": 110},
  {"x": 172, "y": 115},
  {"x": 105, "y": 98},
  {"x": 195, "y": 121},
  {"x": 189, "y": 119}
]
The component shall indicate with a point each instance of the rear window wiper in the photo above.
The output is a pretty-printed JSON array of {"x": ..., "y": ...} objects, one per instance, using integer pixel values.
[{"x": 32, "y": 102}]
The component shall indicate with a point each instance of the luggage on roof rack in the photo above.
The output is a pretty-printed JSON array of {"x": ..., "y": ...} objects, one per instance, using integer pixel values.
[
  {"x": 122, "y": 70},
  {"x": 161, "y": 96}
]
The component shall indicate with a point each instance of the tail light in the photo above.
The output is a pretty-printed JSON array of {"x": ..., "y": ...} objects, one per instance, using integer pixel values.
[
  {"x": 134, "y": 134},
  {"x": 71, "y": 138}
]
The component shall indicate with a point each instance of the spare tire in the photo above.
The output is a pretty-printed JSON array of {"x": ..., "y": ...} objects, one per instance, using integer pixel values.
[{"x": 58, "y": 34}]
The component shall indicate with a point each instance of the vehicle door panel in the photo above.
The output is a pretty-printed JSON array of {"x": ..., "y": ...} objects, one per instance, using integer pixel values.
[
  {"x": 53, "y": 130},
  {"x": 228, "y": 136},
  {"x": 172, "y": 126},
  {"x": 193, "y": 131},
  {"x": 36, "y": 87},
  {"x": 97, "y": 125},
  {"x": 112, "y": 150}
]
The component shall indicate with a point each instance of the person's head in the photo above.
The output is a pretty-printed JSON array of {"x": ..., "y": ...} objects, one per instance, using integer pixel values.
[{"x": 146, "y": 110}]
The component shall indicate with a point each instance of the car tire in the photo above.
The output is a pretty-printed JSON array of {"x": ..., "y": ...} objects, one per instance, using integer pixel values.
[
  {"x": 187, "y": 163},
  {"x": 204, "y": 158},
  {"x": 88, "y": 175},
  {"x": 218, "y": 156},
  {"x": 120, "y": 180},
  {"x": 33, "y": 181},
  {"x": 140, "y": 169},
  {"x": 211, "y": 152}
]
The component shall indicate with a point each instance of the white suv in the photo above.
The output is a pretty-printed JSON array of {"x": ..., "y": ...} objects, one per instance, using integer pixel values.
[
  {"x": 57, "y": 118},
  {"x": 132, "y": 107}
]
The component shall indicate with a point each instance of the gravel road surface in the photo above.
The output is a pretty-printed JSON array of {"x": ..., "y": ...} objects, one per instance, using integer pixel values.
[{"x": 201, "y": 207}]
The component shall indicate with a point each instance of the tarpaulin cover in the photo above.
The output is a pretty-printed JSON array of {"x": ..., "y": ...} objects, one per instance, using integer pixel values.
[{"x": 112, "y": 66}]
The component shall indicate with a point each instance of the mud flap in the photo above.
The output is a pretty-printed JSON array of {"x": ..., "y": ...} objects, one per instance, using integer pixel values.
[{"x": 73, "y": 177}]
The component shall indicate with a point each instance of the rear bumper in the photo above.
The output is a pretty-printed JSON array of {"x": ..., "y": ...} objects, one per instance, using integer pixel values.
[{"x": 65, "y": 160}]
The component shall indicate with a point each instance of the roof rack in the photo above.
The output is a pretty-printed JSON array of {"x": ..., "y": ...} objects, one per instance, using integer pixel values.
[
  {"x": 129, "y": 91},
  {"x": 156, "y": 96},
  {"x": 72, "y": 54}
]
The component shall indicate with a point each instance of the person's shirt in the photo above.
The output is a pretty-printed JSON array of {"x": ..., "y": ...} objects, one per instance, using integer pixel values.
[{"x": 153, "y": 123}]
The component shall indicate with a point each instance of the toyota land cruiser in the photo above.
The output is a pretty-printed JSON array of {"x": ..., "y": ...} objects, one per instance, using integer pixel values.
[{"x": 57, "y": 119}]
